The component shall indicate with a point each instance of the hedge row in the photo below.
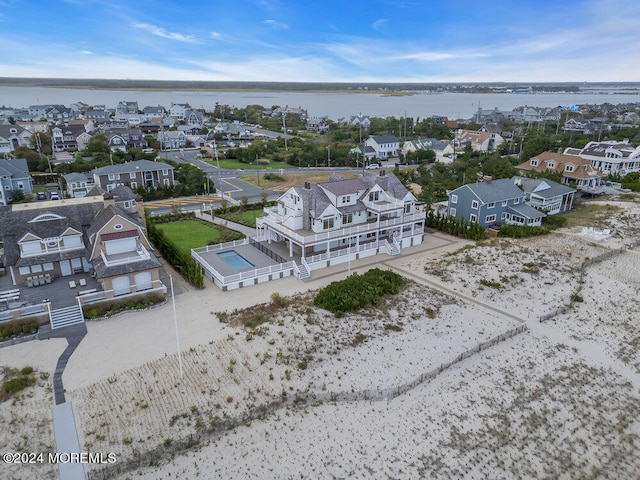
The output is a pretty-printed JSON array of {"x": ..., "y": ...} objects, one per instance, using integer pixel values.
[
  {"x": 111, "y": 307},
  {"x": 358, "y": 291},
  {"x": 18, "y": 327},
  {"x": 455, "y": 226}
]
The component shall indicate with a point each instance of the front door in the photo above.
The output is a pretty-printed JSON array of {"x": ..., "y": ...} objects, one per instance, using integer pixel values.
[{"x": 65, "y": 268}]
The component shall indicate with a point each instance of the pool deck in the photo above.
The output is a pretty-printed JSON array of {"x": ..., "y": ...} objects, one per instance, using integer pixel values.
[{"x": 249, "y": 252}]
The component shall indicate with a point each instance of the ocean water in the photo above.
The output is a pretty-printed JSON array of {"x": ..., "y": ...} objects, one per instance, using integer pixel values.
[{"x": 332, "y": 105}]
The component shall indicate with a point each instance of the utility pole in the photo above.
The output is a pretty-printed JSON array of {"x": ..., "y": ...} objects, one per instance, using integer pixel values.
[{"x": 328, "y": 155}]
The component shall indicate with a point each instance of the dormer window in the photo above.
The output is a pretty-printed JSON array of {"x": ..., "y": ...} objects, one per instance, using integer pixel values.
[
  {"x": 568, "y": 168},
  {"x": 534, "y": 163},
  {"x": 552, "y": 165}
]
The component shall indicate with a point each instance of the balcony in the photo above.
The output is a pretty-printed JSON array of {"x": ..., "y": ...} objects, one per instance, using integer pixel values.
[
  {"x": 47, "y": 249},
  {"x": 139, "y": 254},
  {"x": 382, "y": 206}
]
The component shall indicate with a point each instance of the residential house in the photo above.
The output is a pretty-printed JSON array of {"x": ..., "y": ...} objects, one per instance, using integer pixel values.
[
  {"x": 317, "y": 125},
  {"x": 154, "y": 112},
  {"x": 12, "y": 137},
  {"x": 60, "y": 114},
  {"x": 69, "y": 137},
  {"x": 14, "y": 175},
  {"x": 127, "y": 108},
  {"x": 546, "y": 195},
  {"x": 88, "y": 124},
  {"x": 442, "y": 148},
  {"x": 479, "y": 141},
  {"x": 89, "y": 234},
  {"x": 360, "y": 121},
  {"x": 588, "y": 127},
  {"x": 169, "y": 139},
  {"x": 370, "y": 214},
  {"x": 179, "y": 110},
  {"x": 99, "y": 116},
  {"x": 125, "y": 138},
  {"x": 77, "y": 184},
  {"x": 576, "y": 171},
  {"x": 134, "y": 174},
  {"x": 612, "y": 157},
  {"x": 35, "y": 127},
  {"x": 491, "y": 203},
  {"x": 38, "y": 112},
  {"x": 384, "y": 146}
]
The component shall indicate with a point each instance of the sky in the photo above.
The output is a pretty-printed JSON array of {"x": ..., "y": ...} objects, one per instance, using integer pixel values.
[{"x": 323, "y": 41}]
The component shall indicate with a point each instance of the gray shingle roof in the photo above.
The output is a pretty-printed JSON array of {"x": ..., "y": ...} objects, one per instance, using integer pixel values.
[
  {"x": 137, "y": 166},
  {"x": 526, "y": 210},
  {"x": 494, "y": 191}
]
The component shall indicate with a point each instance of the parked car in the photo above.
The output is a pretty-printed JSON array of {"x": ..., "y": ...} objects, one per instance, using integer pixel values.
[
  {"x": 373, "y": 166},
  {"x": 54, "y": 195},
  {"x": 41, "y": 196}
]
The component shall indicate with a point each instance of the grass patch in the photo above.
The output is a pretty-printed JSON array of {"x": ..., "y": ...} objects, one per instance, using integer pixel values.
[
  {"x": 586, "y": 213},
  {"x": 234, "y": 164},
  {"x": 190, "y": 234},
  {"x": 16, "y": 381},
  {"x": 247, "y": 218}
]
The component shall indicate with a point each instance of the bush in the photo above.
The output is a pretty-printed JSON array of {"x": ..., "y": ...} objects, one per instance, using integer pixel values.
[
  {"x": 111, "y": 307},
  {"x": 18, "y": 327},
  {"x": 521, "y": 231},
  {"x": 358, "y": 291}
]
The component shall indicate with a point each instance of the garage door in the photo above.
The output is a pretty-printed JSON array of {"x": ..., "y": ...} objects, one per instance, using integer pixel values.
[
  {"x": 143, "y": 281},
  {"x": 121, "y": 285}
]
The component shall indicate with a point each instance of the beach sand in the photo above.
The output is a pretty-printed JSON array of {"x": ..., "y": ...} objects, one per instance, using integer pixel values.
[{"x": 385, "y": 393}]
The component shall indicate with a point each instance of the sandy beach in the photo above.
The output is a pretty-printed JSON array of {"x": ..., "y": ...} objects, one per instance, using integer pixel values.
[{"x": 455, "y": 377}]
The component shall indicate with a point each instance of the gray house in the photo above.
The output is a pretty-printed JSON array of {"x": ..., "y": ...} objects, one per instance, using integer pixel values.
[
  {"x": 14, "y": 175},
  {"x": 134, "y": 174},
  {"x": 492, "y": 203}
]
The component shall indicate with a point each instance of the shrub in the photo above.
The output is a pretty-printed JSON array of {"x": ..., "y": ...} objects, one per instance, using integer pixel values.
[
  {"x": 18, "y": 327},
  {"x": 358, "y": 291},
  {"x": 111, "y": 307},
  {"x": 521, "y": 231}
]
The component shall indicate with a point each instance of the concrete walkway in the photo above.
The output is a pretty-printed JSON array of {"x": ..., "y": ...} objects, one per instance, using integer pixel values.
[{"x": 74, "y": 335}]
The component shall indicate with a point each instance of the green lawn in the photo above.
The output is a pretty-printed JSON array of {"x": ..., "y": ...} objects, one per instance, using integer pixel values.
[
  {"x": 190, "y": 234},
  {"x": 233, "y": 164},
  {"x": 247, "y": 218}
]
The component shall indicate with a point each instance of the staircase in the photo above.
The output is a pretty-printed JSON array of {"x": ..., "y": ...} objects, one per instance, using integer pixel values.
[
  {"x": 393, "y": 248},
  {"x": 304, "y": 272},
  {"x": 64, "y": 317}
]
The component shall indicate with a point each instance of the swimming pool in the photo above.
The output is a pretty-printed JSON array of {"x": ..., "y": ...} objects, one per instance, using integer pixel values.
[{"x": 235, "y": 260}]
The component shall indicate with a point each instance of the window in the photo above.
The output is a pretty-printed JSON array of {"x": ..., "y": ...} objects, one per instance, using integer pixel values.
[
  {"x": 491, "y": 205},
  {"x": 490, "y": 218},
  {"x": 327, "y": 223},
  {"x": 117, "y": 176},
  {"x": 452, "y": 212},
  {"x": 503, "y": 215},
  {"x": 516, "y": 201},
  {"x": 348, "y": 218},
  {"x": 552, "y": 165},
  {"x": 474, "y": 204},
  {"x": 166, "y": 181},
  {"x": 407, "y": 208},
  {"x": 132, "y": 174},
  {"x": 134, "y": 185},
  {"x": 454, "y": 198},
  {"x": 112, "y": 176},
  {"x": 504, "y": 203},
  {"x": 374, "y": 196},
  {"x": 534, "y": 163},
  {"x": 165, "y": 172},
  {"x": 345, "y": 199},
  {"x": 568, "y": 168},
  {"x": 473, "y": 217}
]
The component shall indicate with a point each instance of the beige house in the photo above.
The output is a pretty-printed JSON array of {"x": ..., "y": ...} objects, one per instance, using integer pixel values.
[
  {"x": 479, "y": 141},
  {"x": 576, "y": 172}
]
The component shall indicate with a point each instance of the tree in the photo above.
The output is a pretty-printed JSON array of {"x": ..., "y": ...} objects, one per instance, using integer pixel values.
[
  {"x": 42, "y": 142},
  {"x": 97, "y": 144}
]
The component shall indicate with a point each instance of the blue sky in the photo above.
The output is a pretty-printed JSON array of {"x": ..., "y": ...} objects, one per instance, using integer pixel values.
[{"x": 323, "y": 41}]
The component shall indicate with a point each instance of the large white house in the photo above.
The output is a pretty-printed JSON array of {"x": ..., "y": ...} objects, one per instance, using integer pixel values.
[
  {"x": 346, "y": 218},
  {"x": 610, "y": 157}
]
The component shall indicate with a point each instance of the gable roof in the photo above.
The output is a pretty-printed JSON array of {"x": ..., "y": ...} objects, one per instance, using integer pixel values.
[
  {"x": 129, "y": 167},
  {"x": 543, "y": 188},
  {"x": 493, "y": 191}
]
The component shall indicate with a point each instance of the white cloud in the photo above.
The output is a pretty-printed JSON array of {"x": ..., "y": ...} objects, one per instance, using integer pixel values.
[
  {"x": 275, "y": 24},
  {"x": 85, "y": 52},
  {"x": 380, "y": 25},
  {"x": 161, "y": 32}
]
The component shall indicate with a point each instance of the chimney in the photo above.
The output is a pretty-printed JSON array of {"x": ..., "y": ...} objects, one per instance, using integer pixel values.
[
  {"x": 306, "y": 206},
  {"x": 487, "y": 179}
]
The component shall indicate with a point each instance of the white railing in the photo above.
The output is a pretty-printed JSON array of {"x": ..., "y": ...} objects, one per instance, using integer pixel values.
[
  {"x": 102, "y": 295},
  {"x": 142, "y": 254},
  {"x": 322, "y": 257},
  {"x": 296, "y": 270},
  {"x": 343, "y": 232},
  {"x": 383, "y": 205},
  {"x": 240, "y": 276},
  {"x": 48, "y": 249},
  {"x": 305, "y": 264},
  {"x": 220, "y": 246}
]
